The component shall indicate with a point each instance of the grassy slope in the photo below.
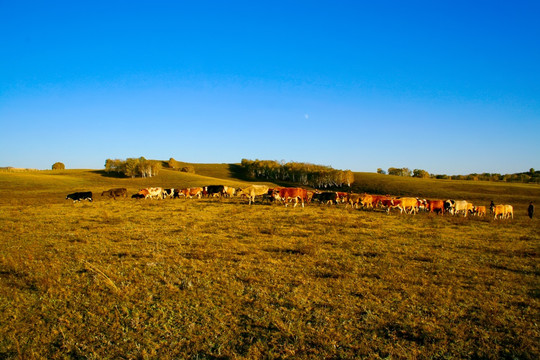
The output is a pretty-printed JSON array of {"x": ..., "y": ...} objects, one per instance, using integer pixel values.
[{"x": 218, "y": 279}]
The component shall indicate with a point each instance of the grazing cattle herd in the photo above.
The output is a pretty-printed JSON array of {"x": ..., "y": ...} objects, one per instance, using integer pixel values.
[{"x": 286, "y": 195}]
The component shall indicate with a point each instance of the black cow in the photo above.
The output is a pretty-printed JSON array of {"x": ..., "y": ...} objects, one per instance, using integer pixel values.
[
  {"x": 327, "y": 197},
  {"x": 78, "y": 196},
  {"x": 137, "y": 196},
  {"x": 213, "y": 190}
]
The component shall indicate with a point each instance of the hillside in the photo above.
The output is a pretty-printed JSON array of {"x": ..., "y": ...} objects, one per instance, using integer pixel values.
[{"x": 54, "y": 185}]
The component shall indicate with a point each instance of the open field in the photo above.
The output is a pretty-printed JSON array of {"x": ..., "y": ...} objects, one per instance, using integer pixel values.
[{"x": 211, "y": 278}]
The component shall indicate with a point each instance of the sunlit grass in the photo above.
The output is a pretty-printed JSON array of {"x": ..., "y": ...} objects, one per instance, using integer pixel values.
[{"x": 219, "y": 279}]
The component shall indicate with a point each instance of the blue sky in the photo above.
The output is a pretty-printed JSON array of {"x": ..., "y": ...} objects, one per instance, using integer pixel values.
[{"x": 447, "y": 86}]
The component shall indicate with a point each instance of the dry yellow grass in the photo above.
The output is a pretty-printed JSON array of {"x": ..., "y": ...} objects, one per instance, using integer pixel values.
[{"x": 219, "y": 279}]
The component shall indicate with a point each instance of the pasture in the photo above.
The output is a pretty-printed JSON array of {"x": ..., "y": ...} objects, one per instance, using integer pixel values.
[{"x": 217, "y": 279}]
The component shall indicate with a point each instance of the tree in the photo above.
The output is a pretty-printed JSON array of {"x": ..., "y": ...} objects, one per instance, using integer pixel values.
[
  {"x": 419, "y": 173},
  {"x": 58, "y": 166},
  {"x": 399, "y": 171},
  {"x": 381, "y": 171}
]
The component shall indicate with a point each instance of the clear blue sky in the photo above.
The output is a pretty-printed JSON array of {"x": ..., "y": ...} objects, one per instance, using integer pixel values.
[{"x": 447, "y": 86}]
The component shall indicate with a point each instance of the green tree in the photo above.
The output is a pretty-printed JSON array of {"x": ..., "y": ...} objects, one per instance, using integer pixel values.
[
  {"x": 419, "y": 173},
  {"x": 58, "y": 166}
]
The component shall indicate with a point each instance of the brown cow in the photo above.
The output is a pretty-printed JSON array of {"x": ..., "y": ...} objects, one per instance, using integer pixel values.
[
  {"x": 114, "y": 193},
  {"x": 190, "y": 192},
  {"x": 367, "y": 201},
  {"x": 435, "y": 206},
  {"x": 480, "y": 210},
  {"x": 353, "y": 200},
  {"x": 389, "y": 203},
  {"x": 286, "y": 194}
]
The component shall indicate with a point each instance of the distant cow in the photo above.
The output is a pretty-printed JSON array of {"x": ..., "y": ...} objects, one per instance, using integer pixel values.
[
  {"x": 449, "y": 206},
  {"x": 367, "y": 201},
  {"x": 151, "y": 193},
  {"x": 353, "y": 200},
  {"x": 342, "y": 196},
  {"x": 114, "y": 193},
  {"x": 503, "y": 211},
  {"x": 286, "y": 194},
  {"x": 79, "y": 196},
  {"x": 229, "y": 191},
  {"x": 508, "y": 211},
  {"x": 252, "y": 191},
  {"x": 436, "y": 206},
  {"x": 168, "y": 193},
  {"x": 137, "y": 196},
  {"x": 189, "y": 192},
  {"x": 480, "y": 210},
  {"x": 215, "y": 190},
  {"x": 461, "y": 206},
  {"x": 327, "y": 197},
  {"x": 390, "y": 203},
  {"x": 498, "y": 211},
  {"x": 409, "y": 205}
]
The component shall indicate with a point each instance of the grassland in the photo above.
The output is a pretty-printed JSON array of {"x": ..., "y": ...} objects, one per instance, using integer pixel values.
[{"x": 217, "y": 279}]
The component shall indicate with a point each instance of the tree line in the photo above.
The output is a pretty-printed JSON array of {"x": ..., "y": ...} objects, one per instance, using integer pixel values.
[
  {"x": 133, "y": 167},
  {"x": 318, "y": 176},
  {"x": 532, "y": 176}
]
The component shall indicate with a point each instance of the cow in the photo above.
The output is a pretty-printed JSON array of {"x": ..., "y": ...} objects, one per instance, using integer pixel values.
[
  {"x": 229, "y": 191},
  {"x": 480, "y": 210},
  {"x": 79, "y": 196},
  {"x": 498, "y": 210},
  {"x": 409, "y": 205},
  {"x": 390, "y": 203},
  {"x": 422, "y": 204},
  {"x": 367, "y": 201},
  {"x": 470, "y": 208},
  {"x": 310, "y": 194},
  {"x": 286, "y": 194},
  {"x": 436, "y": 206},
  {"x": 214, "y": 190},
  {"x": 252, "y": 191},
  {"x": 144, "y": 193},
  {"x": 342, "y": 196},
  {"x": 168, "y": 193},
  {"x": 508, "y": 211},
  {"x": 376, "y": 199},
  {"x": 151, "y": 193},
  {"x": 353, "y": 200},
  {"x": 327, "y": 197},
  {"x": 137, "y": 196},
  {"x": 449, "y": 206},
  {"x": 190, "y": 192},
  {"x": 460, "y": 206},
  {"x": 114, "y": 193}
]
